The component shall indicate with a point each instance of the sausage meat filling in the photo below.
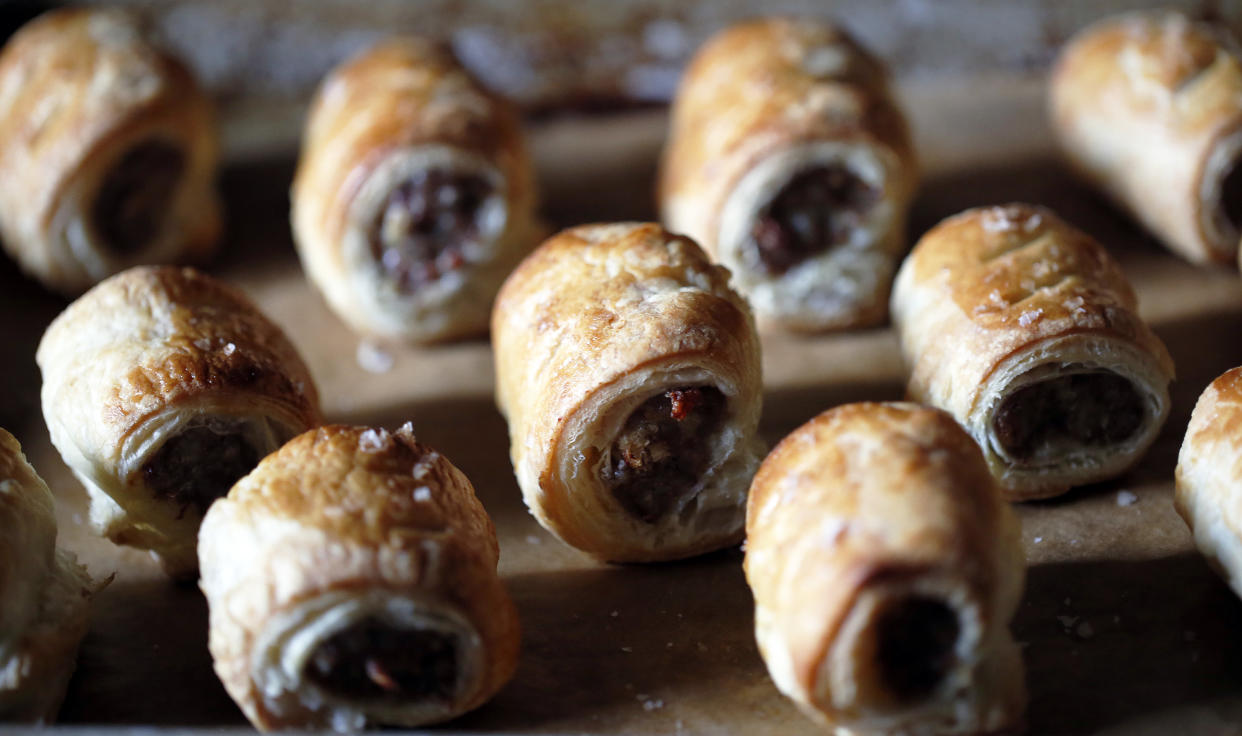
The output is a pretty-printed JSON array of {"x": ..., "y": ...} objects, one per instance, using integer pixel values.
[
  {"x": 1231, "y": 197},
  {"x": 1089, "y": 409},
  {"x": 663, "y": 449},
  {"x": 132, "y": 203},
  {"x": 915, "y": 643},
  {"x": 372, "y": 660},
  {"x": 199, "y": 465},
  {"x": 425, "y": 227},
  {"x": 816, "y": 210}
]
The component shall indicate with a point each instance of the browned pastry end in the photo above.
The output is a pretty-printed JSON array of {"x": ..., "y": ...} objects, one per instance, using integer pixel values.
[
  {"x": 1148, "y": 106},
  {"x": 629, "y": 373},
  {"x": 161, "y": 387},
  {"x": 886, "y": 567},
  {"x": 110, "y": 151},
  {"x": 1209, "y": 468},
  {"x": 414, "y": 195},
  {"x": 351, "y": 579},
  {"x": 44, "y": 595},
  {"x": 790, "y": 162},
  {"x": 1026, "y": 330}
]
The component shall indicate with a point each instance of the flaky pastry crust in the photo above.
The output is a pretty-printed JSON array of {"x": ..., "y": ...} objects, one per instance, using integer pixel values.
[
  {"x": 44, "y": 595},
  {"x": 1207, "y": 478},
  {"x": 996, "y": 299},
  {"x": 401, "y": 108},
  {"x": 760, "y": 103},
  {"x": 597, "y": 320},
  {"x": 340, "y": 525},
  {"x": 144, "y": 356},
  {"x": 864, "y": 510},
  {"x": 79, "y": 89},
  {"x": 1148, "y": 106}
]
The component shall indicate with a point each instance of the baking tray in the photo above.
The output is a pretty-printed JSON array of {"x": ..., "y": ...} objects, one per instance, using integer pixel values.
[{"x": 1124, "y": 627}]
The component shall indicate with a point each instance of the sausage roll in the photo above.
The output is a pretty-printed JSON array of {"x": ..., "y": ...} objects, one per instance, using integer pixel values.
[
  {"x": 109, "y": 152},
  {"x": 161, "y": 387},
  {"x": 886, "y": 567},
  {"x": 1024, "y": 329},
  {"x": 351, "y": 579},
  {"x": 44, "y": 595},
  {"x": 629, "y": 373},
  {"x": 1209, "y": 476},
  {"x": 414, "y": 195},
  {"x": 1149, "y": 107},
  {"x": 790, "y": 162}
]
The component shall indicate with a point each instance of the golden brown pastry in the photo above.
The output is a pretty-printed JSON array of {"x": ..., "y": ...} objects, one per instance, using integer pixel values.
[
  {"x": 790, "y": 162},
  {"x": 629, "y": 373},
  {"x": 414, "y": 194},
  {"x": 1209, "y": 476},
  {"x": 1025, "y": 330},
  {"x": 44, "y": 595},
  {"x": 161, "y": 387},
  {"x": 109, "y": 151},
  {"x": 352, "y": 580},
  {"x": 886, "y": 567},
  {"x": 1148, "y": 106}
]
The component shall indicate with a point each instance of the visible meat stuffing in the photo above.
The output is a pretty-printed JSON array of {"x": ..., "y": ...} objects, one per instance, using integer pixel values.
[
  {"x": 132, "y": 203},
  {"x": 423, "y": 231},
  {"x": 373, "y": 660},
  {"x": 663, "y": 449},
  {"x": 1090, "y": 409},
  {"x": 915, "y": 642},
  {"x": 1231, "y": 197},
  {"x": 815, "y": 211},
  {"x": 199, "y": 465}
]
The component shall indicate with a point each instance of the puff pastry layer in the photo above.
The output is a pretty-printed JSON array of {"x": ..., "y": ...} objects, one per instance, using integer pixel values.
[
  {"x": 161, "y": 387},
  {"x": 629, "y": 373},
  {"x": 1148, "y": 106},
  {"x": 351, "y": 580},
  {"x": 789, "y": 161},
  {"x": 109, "y": 151},
  {"x": 1208, "y": 471},
  {"x": 1027, "y": 331},
  {"x": 44, "y": 595},
  {"x": 414, "y": 195},
  {"x": 886, "y": 567}
]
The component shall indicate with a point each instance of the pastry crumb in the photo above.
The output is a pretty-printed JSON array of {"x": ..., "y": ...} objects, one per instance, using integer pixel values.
[
  {"x": 372, "y": 358},
  {"x": 1126, "y": 498}
]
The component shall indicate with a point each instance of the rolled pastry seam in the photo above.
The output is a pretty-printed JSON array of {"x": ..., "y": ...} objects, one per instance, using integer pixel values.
[
  {"x": 414, "y": 195},
  {"x": 110, "y": 151},
  {"x": 351, "y": 580},
  {"x": 161, "y": 387},
  {"x": 629, "y": 373},
  {"x": 44, "y": 595},
  {"x": 1208, "y": 469},
  {"x": 1148, "y": 105},
  {"x": 886, "y": 568},
  {"x": 1027, "y": 331},
  {"x": 790, "y": 162}
]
